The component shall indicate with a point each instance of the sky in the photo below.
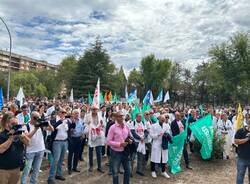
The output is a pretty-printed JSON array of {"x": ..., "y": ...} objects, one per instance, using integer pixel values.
[{"x": 181, "y": 30}]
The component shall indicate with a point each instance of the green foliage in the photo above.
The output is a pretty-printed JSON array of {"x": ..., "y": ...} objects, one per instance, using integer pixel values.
[
  {"x": 94, "y": 63},
  {"x": 66, "y": 70},
  {"x": 135, "y": 81},
  {"x": 226, "y": 76},
  {"x": 155, "y": 73},
  {"x": 218, "y": 146},
  {"x": 34, "y": 83}
]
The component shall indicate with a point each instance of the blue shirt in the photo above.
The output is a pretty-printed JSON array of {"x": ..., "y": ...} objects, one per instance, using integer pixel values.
[{"x": 78, "y": 130}]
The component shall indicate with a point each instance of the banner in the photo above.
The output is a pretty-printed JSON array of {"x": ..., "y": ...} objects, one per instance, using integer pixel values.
[
  {"x": 203, "y": 131},
  {"x": 166, "y": 97},
  {"x": 96, "y": 97},
  {"x": 175, "y": 152},
  {"x": 239, "y": 119},
  {"x": 89, "y": 99},
  {"x": 160, "y": 97},
  {"x": 71, "y": 98}
]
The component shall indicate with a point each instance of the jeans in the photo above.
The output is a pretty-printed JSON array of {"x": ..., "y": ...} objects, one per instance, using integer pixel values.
[
  {"x": 34, "y": 161},
  {"x": 119, "y": 158},
  {"x": 98, "y": 150},
  {"x": 59, "y": 148},
  {"x": 74, "y": 152},
  {"x": 242, "y": 165}
]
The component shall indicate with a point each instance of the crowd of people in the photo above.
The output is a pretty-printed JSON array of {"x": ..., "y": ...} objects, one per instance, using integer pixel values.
[{"x": 57, "y": 128}]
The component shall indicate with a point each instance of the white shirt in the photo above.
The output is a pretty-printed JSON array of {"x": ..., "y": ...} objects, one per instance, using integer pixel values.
[
  {"x": 36, "y": 143},
  {"x": 62, "y": 131}
]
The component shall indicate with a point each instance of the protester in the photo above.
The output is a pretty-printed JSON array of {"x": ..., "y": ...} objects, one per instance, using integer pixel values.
[
  {"x": 11, "y": 150},
  {"x": 35, "y": 149},
  {"x": 75, "y": 134},
  {"x": 109, "y": 124},
  {"x": 59, "y": 140},
  {"x": 178, "y": 126},
  {"x": 24, "y": 116},
  {"x": 242, "y": 139},
  {"x": 96, "y": 137},
  {"x": 148, "y": 139},
  {"x": 119, "y": 136},
  {"x": 158, "y": 154},
  {"x": 138, "y": 132}
]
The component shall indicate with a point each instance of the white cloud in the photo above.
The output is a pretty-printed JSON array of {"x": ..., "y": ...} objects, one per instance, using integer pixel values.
[{"x": 130, "y": 29}]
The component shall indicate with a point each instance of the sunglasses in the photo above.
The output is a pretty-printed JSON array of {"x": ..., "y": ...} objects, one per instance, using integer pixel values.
[{"x": 63, "y": 112}]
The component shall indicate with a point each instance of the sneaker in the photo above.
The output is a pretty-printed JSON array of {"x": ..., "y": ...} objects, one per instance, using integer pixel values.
[
  {"x": 153, "y": 174},
  {"x": 165, "y": 174}
]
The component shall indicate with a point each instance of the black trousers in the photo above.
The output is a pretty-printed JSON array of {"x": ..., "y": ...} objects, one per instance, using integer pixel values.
[
  {"x": 82, "y": 145},
  {"x": 185, "y": 154},
  {"x": 74, "y": 152},
  {"x": 162, "y": 165}
]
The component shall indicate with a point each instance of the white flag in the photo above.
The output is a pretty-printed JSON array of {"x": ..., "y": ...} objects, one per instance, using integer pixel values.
[
  {"x": 126, "y": 92},
  {"x": 166, "y": 97},
  {"x": 71, "y": 98},
  {"x": 50, "y": 111},
  {"x": 20, "y": 96},
  {"x": 96, "y": 98}
]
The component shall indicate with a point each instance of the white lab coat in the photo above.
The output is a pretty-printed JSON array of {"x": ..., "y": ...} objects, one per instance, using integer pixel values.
[
  {"x": 94, "y": 138},
  {"x": 20, "y": 118},
  {"x": 157, "y": 152}
]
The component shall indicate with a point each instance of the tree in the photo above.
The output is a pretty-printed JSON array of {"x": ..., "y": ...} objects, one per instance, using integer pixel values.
[
  {"x": 29, "y": 82},
  {"x": 95, "y": 63},
  {"x": 233, "y": 60},
  {"x": 174, "y": 81},
  {"x": 155, "y": 73},
  {"x": 50, "y": 80},
  {"x": 66, "y": 70},
  {"x": 120, "y": 82},
  {"x": 135, "y": 81}
]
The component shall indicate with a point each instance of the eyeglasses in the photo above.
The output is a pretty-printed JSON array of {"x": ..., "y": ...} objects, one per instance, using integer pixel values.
[
  {"x": 146, "y": 114},
  {"x": 63, "y": 112}
]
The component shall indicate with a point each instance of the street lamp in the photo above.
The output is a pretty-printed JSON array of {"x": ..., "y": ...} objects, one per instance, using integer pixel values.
[{"x": 8, "y": 85}]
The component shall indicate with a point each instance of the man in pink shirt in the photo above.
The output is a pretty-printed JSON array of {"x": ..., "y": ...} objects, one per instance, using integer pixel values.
[{"x": 118, "y": 138}]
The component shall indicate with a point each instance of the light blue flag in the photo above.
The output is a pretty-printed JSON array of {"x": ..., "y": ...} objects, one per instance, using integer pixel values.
[
  {"x": 1, "y": 98},
  {"x": 147, "y": 97},
  {"x": 132, "y": 96},
  {"x": 160, "y": 97}
]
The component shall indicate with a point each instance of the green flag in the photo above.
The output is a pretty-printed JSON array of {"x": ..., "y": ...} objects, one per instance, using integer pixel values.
[
  {"x": 115, "y": 98},
  {"x": 175, "y": 150},
  {"x": 135, "y": 111},
  {"x": 203, "y": 131},
  {"x": 89, "y": 99},
  {"x": 144, "y": 109},
  {"x": 201, "y": 109},
  {"x": 148, "y": 107},
  {"x": 101, "y": 99}
]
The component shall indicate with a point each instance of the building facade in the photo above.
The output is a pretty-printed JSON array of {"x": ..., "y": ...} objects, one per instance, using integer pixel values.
[{"x": 19, "y": 62}]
